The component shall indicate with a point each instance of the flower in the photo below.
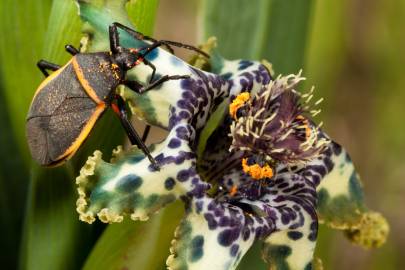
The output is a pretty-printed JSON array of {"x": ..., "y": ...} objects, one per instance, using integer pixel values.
[
  {"x": 227, "y": 209},
  {"x": 267, "y": 173}
]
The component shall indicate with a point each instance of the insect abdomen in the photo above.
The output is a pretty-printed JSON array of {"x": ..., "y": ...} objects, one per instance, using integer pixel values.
[{"x": 58, "y": 115}]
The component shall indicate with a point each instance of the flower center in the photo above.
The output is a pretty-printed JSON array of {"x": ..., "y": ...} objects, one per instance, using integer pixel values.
[{"x": 273, "y": 122}]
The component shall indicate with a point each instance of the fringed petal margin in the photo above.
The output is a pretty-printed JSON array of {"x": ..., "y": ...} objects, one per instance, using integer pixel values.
[
  {"x": 341, "y": 199},
  {"x": 214, "y": 235},
  {"x": 130, "y": 185}
]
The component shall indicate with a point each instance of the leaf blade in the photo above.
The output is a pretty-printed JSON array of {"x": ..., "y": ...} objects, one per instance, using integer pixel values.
[{"x": 275, "y": 30}]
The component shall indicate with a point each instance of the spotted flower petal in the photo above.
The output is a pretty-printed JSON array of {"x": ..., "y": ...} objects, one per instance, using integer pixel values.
[
  {"x": 130, "y": 185},
  {"x": 293, "y": 244},
  {"x": 214, "y": 235},
  {"x": 341, "y": 199},
  {"x": 290, "y": 201}
]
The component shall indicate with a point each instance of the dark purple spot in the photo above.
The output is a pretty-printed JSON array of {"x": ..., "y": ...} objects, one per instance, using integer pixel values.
[
  {"x": 227, "y": 237},
  {"x": 186, "y": 84},
  {"x": 212, "y": 224},
  {"x": 224, "y": 221},
  {"x": 337, "y": 149},
  {"x": 246, "y": 234},
  {"x": 195, "y": 180},
  {"x": 294, "y": 235},
  {"x": 199, "y": 206},
  {"x": 314, "y": 231},
  {"x": 329, "y": 164},
  {"x": 199, "y": 190},
  {"x": 179, "y": 160},
  {"x": 184, "y": 114},
  {"x": 169, "y": 183},
  {"x": 182, "y": 133},
  {"x": 174, "y": 143},
  {"x": 183, "y": 175},
  {"x": 218, "y": 212},
  {"x": 285, "y": 218},
  {"x": 234, "y": 250}
]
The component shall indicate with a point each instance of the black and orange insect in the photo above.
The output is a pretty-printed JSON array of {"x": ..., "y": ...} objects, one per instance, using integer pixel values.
[{"x": 69, "y": 102}]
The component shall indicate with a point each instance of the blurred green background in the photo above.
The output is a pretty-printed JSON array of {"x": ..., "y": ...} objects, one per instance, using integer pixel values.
[{"x": 352, "y": 51}]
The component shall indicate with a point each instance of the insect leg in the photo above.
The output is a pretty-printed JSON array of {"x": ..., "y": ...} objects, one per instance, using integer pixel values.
[
  {"x": 185, "y": 46},
  {"x": 43, "y": 65},
  {"x": 152, "y": 66},
  {"x": 167, "y": 43},
  {"x": 161, "y": 80},
  {"x": 145, "y": 133},
  {"x": 139, "y": 88},
  {"x": 71, "y": 49},
  {"x": 133, "y": 136},
  {"x": 114, "y": 38},
  {"x": 146, "y": 51},
  {"x": 135, "y": 86},
  {"x": 139, "y": 35}
]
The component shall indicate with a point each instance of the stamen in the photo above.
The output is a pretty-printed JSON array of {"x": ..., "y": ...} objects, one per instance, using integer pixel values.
[
  {"x": 315, "y": 112},
  {"x": 275, "y": 125},
  {"x": 319, "y": 101},
  {"x": 309, "y": 98}
]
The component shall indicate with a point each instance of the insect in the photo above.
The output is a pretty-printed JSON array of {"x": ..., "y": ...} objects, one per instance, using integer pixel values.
[{"x": 69, "y": 101}]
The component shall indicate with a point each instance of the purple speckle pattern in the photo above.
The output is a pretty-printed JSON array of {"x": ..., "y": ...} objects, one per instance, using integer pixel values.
[{"x": 203, "y": 91}]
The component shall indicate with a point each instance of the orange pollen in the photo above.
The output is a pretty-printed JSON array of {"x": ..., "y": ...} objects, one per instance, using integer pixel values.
[
  {"x": 233, "y": 190},
  {"x": 306, "y": 124},
  {"x": 256, "y": 171},
  {"x": 238, "y": 102},
  {"x": 114, "y": 66}
]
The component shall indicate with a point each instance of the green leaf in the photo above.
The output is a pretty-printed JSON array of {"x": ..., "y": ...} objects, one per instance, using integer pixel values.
[
  {"x": 53, "y": 236},
  {"x": 237, "y": 24},
  {"x": 275, "y": 30},
  {"x": 23, "y": 25},
  {"x": 287, "y": 31},
  {"x": 13, "y": 187},
  {"x": 137, "y": 245},
  {"x": 215, "y": 119},
  {"x": 142, "y": 14}
]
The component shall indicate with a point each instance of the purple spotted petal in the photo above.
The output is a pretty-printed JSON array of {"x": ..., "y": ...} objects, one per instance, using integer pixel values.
[
  {"x": 214, "y": 235},
  {"x": 131, "y": 186}
]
